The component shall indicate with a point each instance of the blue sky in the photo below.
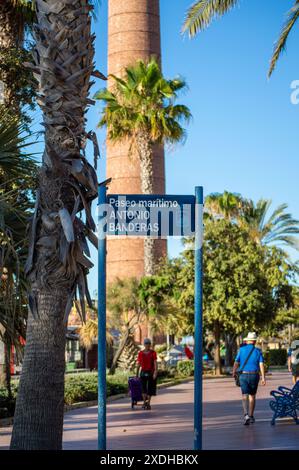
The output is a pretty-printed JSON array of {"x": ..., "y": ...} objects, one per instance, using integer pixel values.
[{"x": 244, "y": 133}]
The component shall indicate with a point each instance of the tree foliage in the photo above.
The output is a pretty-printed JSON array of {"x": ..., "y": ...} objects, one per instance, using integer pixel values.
[
  {"x": 275, "y": 228},
  {"x": 143, "y": 101},
  {"x": 201, "y": 14}
]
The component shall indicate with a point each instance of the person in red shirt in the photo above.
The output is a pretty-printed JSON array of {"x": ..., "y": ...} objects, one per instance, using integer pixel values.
[{"x": 147, "y": 362}]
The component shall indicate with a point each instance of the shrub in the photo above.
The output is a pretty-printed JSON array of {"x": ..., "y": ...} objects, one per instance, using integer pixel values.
[
  {"x": 117, "y": 383},
  {"x": 168, "y": 373},
  {"x": 78, "y": 387},
  {"x": 278, "y": 357},
  {"x": 84, "y": 387},
  {"x": 185, "y": 368},
  {"x": 266, "y": 355},
  {"x": 7, "y": 405},
  {"x": 161, "y": 348}
]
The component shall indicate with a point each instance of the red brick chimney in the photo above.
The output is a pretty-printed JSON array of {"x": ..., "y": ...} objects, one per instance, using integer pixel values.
[{"x": 133, "y": 33}]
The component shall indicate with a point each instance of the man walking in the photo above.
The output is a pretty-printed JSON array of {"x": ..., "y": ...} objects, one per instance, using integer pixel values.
[
  {"x": 249, "y": 364},
  {"x": 147, "y": 361}
]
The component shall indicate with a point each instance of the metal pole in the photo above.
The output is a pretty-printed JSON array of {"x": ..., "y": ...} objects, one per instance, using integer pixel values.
[
  {"x": 102, "y": 325},
  {"x": 198, "y": 318}
]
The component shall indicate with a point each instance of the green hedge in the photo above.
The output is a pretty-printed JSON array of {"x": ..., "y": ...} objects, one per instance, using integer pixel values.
[
  {"x": 185, "y": 368},
  {"x": 84, "y": 387},
  {"x": 278, "y": 357},
  {"x": 78, "y": 388},
  {"x": 7, "y": 405}
]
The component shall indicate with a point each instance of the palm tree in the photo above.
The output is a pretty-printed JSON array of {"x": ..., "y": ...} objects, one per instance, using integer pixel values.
[
  {"x": 203, "y": 12},
  {"x": 126, "y": 312},
  {"x": 141, "y": 107},
  {"x": 225, "y": 205},
  {"x": 89, "y": 330},
  {"x": 89, "y": 333},
  {"x": 58, "y": 262},
  {"x": 15, "y": 17},
  {"x": 278, "y": 228},
  {"x": 17, "y": 179}
]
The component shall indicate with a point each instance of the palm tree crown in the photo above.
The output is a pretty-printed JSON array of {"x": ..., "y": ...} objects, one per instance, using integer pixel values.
[
  {"x": 279, "y": 227},
  {"x": 224, "y": 205},
  {"x": 143, "y": 101}
]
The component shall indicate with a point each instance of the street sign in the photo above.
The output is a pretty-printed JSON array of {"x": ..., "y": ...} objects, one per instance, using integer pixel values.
[
  {"x": 150, "y": 216},
  {"x": 154, "y": 216}
]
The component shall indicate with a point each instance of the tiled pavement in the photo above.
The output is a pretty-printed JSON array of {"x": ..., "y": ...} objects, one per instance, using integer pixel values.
[{"x": 169, "y": 424}]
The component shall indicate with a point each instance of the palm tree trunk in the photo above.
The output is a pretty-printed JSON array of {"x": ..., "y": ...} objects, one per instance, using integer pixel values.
[
  {"x": 230, "y": 349},
  {"x": 11, "y": 25},
  {"x": 2, "y": 356},
  {"x": 7, "y": 370},
  {"x": 5, "y": 375},
  {"x": 56, "y": 265},
  {"x": 217, "y": 356},
  {"x": 119, "y": 351},
  {"x": 11, "y": 37},
  {"x": 38, "y": 419},
  {"x": 146, "y": 155}
]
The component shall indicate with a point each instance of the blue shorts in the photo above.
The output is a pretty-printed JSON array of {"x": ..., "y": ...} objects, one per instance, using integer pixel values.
[{"x": 249, "y": 383}]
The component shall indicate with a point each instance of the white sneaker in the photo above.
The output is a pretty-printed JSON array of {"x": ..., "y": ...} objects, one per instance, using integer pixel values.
[{"x": 246, "y": 420}]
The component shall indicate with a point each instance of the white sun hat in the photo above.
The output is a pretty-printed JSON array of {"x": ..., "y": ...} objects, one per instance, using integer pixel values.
[{"x": 251, "y": 337}]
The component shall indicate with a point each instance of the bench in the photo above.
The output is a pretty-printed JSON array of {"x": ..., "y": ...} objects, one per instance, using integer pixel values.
[{"x": 285, "y": 403}]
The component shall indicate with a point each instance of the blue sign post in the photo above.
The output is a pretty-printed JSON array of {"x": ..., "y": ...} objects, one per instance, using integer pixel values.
[
  {"x": 198, "y": 266},
  {"x": 102, "y": 325},
  {"x": 153, "y": 216}
]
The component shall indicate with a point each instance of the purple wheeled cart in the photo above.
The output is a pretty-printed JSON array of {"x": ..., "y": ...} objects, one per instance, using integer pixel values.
[{"x": 135, "y": 388}]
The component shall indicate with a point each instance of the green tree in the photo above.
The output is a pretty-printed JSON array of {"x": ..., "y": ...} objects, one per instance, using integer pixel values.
[
  {"x": 158, "y": 295},
  {"x": 203, "y": 12},
  {"x": 141, "y": 107},
  {"x": 126, "y": 311},
  {"x": 240, "y": 278},
  {"x": 287, "y": 319},
  {"x": 242, "y": 282}
]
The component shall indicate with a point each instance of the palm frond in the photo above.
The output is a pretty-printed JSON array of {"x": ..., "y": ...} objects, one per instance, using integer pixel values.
[
  {"x": 279, "y": 227},
  {"x": 281, "y": 43},
  {"x": 203, "y": 12}
]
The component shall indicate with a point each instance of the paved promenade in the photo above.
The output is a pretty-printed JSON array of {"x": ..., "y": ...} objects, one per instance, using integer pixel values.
[{"x": 169, "y": 424}]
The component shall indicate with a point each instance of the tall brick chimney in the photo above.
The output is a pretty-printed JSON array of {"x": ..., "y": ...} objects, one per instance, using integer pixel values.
[{"x": 133, "y": 33}]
